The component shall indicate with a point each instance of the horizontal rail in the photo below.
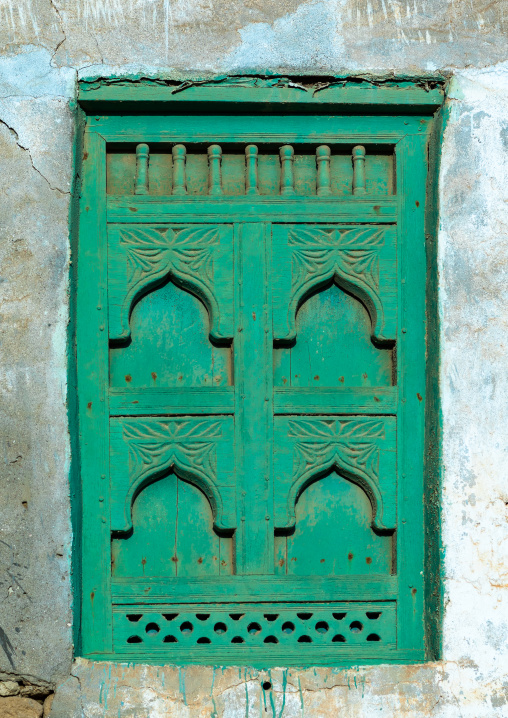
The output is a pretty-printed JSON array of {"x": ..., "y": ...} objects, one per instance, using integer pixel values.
[
  {"x": 335, "y": 401},
  {"x": 331, "y": 97},
  {"x": 206, "y": 400},
  {"x": 224, "y": 589},
  {"x": 282, "y": 129},
  {"x": 158, "y": 210},
  {"x": 172, "y": 401}
]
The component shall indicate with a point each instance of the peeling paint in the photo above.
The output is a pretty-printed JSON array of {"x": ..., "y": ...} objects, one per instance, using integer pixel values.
[{"x": 46, "y": 46}]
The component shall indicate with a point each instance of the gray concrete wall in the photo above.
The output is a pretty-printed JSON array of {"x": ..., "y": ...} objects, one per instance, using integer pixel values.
[{"x": 45, "y": 46}]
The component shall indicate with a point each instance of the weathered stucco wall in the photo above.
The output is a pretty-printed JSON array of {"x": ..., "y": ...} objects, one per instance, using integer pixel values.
[{"x": 45, "y": 46}]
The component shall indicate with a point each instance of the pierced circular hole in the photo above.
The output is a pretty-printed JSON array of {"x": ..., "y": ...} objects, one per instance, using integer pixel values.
[
  {"x": 288, "y": 627},
  {"x": 254, "y": 628},
  {"x": 304, "y": 616},
  {"x": 202, "y": 616},
  {"x": 203, "y": 640},
  {"x": 271, "y": 616},
  {"x": 305, "y": 639},
  {"x": 236, "y": 616},
  {"x": 266, "y": 685},
  {"x": 373, "y": 615},
  {"x": 373, "y": 637},
  {"x": 134, "y": 617},
  {"x": 237, "y": 639},
  {"x": 186, "y": 627},
  {"x": 152, "y": 629},
  {"x": 220, "y": 628},
  {"x": 339, "y": 638},
  {"x": 321, "y": 627},
  {"x": 339, "y": 616},
  {"x": 170, "y": 639},
  {"x": 135, "y": 639},
  {"x": 270, "y": 639},
  {"x": 356, "y": 627},
  {"x": 170, "y": 616}
]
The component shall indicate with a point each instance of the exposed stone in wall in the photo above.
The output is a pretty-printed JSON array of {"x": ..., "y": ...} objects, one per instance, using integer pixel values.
[
  {"x": 46, "y": 45},
  {"x": 24, "y": 700}
]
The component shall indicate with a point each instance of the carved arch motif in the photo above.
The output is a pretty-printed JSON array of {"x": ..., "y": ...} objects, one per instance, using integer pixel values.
[
  {"x": 186, "y": 255},
  {"x": 347, "y": 445},
  {"x": 348, "y": 256},
  {"x": 186, "y": 446}
]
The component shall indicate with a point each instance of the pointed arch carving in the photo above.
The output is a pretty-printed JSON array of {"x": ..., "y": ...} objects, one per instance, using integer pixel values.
[
  {"x": 348, "y": 256},
  {"x": 146, "y": 256},
  {"x": 349, "y": 446},
  {"x": 186, "y": 446}
]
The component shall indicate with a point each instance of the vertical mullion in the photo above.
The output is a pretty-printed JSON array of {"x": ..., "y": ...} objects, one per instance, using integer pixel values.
[
  {"x": 253, "y": 363},
  {"x": 92, "y": 363},
  {"x": 411, "y": 187}
]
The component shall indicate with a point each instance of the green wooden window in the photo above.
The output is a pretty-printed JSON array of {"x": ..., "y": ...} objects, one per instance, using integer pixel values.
[{"x": 251, "y": 356}]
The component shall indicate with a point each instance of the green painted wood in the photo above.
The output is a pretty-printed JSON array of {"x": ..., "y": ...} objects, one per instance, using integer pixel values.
[
  {"x": 339, "y": 93},
  {"x": 257, "y": 657},
  {"x": 141, "y": 184},
  {"x": 251, "y": 174},
  {"x": 333, "y": 533},
  {"x": 254, "y": 400},
  {"x": 259, "y": 406},
  {"x": 91, "y": 355},
  {"x": 324, "y": 177},
  {"x": 172, "y": 508},
  {"x": 188, "y": 172},
  {"x": 151, "y": 209},
  {"x": 195, "y": 400},
  {"x": 358, "y": 587},
  {"x": 334, "y": 346},
  {"x": 183, "y": 357},
  {"x": 267, "y": 626},
  {"x": 411, "y": 156},
  {"x": 357, "y": 400},
  {"x": 279, "y": 129},
  {"x": 198, "y": 449},
  {"x": 361, "y": 448}
]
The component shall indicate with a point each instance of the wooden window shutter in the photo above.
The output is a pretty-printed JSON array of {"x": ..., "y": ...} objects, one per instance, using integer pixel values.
[{"x": 251, "y": 364}]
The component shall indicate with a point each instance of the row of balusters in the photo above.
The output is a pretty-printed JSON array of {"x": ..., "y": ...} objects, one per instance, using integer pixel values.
[{"x": 287, "y": 176}]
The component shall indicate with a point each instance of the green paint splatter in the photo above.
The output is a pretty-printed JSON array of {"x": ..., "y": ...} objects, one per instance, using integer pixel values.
[
  {"x": 246, "y": 693},
  {"x": 284, "y": 684},
  {"x": 181, "y": 683},
  {"x": 301, "y": 695},
  {"x": 213, "y": 714}
]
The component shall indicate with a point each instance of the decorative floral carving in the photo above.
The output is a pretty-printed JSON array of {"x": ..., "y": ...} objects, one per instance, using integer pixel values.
[
  {"x": 349, "y": 255},
  {"x": 351, "y": 445},
  {"x": 187, "y": 445},
  {"x": 185, "y": 254}
]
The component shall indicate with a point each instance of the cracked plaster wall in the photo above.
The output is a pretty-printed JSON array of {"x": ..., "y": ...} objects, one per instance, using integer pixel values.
[{"x": 45, "y": 45}]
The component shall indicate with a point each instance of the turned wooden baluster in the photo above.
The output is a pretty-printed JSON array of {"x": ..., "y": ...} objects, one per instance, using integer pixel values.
[
  {"x": 287, "y": 179},
  {"x": 141, "y": 181},
  {"x": 214, "y": 170},
  {"x": 324, "y": 177},
  {"x": 359, "y": 170},
  {"x": 251, "y": 170},
  {"x": 179, "y": 179}
]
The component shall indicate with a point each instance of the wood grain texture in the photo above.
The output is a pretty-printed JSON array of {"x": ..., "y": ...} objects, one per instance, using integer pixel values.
[{"x": 251, "y": 364}]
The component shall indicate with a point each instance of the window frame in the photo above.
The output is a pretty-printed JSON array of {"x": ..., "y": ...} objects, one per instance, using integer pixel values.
[{"x": 400, "y": 116}]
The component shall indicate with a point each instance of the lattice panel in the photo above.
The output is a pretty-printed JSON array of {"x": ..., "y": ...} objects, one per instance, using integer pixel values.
[{"x": 141, "y": 628}]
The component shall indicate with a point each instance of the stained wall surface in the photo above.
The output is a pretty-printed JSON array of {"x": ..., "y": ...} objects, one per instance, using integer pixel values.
[{"x": 45, "y": 46}]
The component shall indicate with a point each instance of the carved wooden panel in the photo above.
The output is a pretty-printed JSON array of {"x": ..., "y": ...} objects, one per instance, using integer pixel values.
[
  {"x": 199, "y": 450},
  {"x": 197, "y": 258},
  {"x": 251, "y": 402},
  {"x": 361, "y": 260},
  {"x": 361, "y": 449}
]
